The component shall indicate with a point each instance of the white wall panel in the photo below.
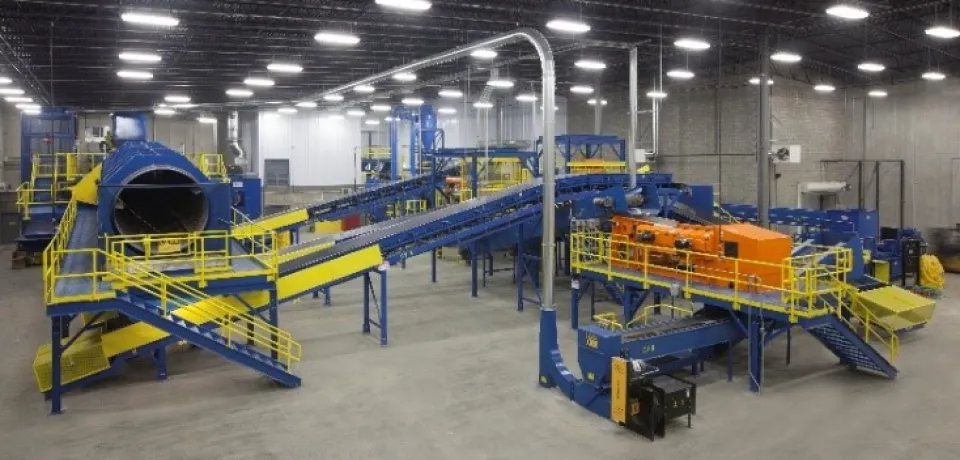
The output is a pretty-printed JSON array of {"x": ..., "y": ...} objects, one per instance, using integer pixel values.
[{"x": 322, "y": 151}]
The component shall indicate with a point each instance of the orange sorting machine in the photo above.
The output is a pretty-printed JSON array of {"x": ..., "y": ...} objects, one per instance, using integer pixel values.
[{"x": 713, "y": 254}]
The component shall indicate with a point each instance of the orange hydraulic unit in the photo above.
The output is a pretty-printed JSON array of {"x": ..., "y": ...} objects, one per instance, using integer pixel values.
[{"x": 719, "y": 255}]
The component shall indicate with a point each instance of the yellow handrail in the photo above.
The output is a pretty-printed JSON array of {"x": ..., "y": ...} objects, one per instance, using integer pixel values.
[
  {"x": 873, "y": 326},
  {"x": 645, "y": 316}
]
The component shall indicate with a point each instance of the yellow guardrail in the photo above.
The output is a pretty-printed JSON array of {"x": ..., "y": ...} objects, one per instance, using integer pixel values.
[
  {"x": 407, "y": 207},
  {"x": 377, "y": 152},
  {"x": 803, "y": 279},
  {"x": 871, "y": 326},
  {"x": 210, "y": 164},
  {"x": 55, "y": 252},
  {"x": 494, "y": 175},
  {"x": 644, "y": 318}
]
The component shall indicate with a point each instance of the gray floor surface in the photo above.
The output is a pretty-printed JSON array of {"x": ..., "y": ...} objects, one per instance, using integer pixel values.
[{"x": 458, "y": 381}]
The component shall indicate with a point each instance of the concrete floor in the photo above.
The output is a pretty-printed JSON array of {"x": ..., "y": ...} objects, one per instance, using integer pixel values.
[{"x": 459, "y": 381}]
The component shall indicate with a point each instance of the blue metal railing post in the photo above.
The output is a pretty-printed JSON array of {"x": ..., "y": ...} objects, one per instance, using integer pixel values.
[
  {"x": 383, "y": 306},
  {"x": 366, "y": 303}
]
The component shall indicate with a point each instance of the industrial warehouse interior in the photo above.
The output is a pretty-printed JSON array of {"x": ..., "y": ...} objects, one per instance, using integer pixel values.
[{"x": 408, "y": 229}]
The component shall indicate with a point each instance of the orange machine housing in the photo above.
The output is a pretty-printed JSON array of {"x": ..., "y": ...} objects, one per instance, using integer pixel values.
[{"x": 718, "y": 255}]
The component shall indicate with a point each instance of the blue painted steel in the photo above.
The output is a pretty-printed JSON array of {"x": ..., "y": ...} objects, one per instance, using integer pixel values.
[
  {"x": 428, "y": 127},
  {"x": 248, "y": 195},
  {"x": 848, "y": 346},
  {"x": 587, "y": 146},
  {"x": 394, "y": 148},
  {"x": 53, "y": 130},
  {"x": 699, "y": 198}
]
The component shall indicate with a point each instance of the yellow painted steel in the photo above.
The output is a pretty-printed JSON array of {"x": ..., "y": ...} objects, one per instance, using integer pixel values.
[
  {"x": 618, "y": 390},
  {"x": 274, "y": 222},
  {"x": 86, "y": 190},
  {"x": 881, "y": 270},
  {"x": 328, "y": 226},
  {"x": 493, "y": 175},
  {"x": 130, "y": 338},
  {"x": 84, "y": 358},
  {"x": 210, "y": 164},
  {"x": 644, "y": 318},
  {"x": 898, "y": 308},
  {"x": 307, "y": 280}
]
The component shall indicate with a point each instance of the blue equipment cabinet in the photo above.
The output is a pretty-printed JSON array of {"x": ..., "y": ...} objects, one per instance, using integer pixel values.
[{"x": 248, "y": 195}]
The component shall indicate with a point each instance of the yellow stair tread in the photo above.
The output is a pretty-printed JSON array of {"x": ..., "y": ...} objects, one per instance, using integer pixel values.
[
  {"x": 84, "y": 358},
  {"x": 895, "y": 300},
  {"x": 130, "y": 338}
]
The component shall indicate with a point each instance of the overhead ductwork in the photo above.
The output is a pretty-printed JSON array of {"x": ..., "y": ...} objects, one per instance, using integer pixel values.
[{"x": 233, "y": 139}]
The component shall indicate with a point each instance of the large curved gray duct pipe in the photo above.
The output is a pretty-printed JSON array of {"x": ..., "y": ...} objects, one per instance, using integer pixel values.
[{"x": 233, "y": 139}]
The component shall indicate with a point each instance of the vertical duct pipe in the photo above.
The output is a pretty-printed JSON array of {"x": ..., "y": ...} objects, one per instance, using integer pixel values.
[
  {"x": 598, "y": 109},
  {"x": 763, "y": 147},
  {"x": 233, "y": 140},
  {"x": 632, "y": 135}
]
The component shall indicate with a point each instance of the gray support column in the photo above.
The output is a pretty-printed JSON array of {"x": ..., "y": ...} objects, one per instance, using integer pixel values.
[
  {"x": 763, "y": 147},
  {"x": 632, "y": 135}
]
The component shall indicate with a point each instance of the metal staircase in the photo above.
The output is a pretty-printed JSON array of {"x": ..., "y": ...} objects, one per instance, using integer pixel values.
[{"x": 848, "y": 334}]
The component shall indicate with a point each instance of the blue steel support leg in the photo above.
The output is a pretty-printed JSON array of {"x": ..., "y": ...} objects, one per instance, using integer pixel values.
[
  {"x": 383, "y": 308},
  {"x": 657, "y": 300},
  {"x": 756, "y": 354},
  {"x": 473, "y": 269},
  {"x": 518, "y": 268},
  {"x": 366, "y": 302},
  {"x": 433, "y": 266},
  {"x": 160, "y": 358},
  {"x": 327, "y": 299},
  {"x": 575, "y": 304},
  {"x": 730, "y": 361},
  {"x": 55, "y": 352},
  {"x": 593, "y": 299},
  {"x": 789, "y": 342},
  {"x": 273, "y": 315},
  {"x": 64, "y": 326},
  {"x": 484, "y": 270}
]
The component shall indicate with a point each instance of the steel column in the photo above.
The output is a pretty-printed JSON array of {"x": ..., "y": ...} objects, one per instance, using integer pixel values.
[
  {"x": 763, "y": 148},
  {"x": 632, "y": 135},
  {"x": 575, "y": 304},
  {"x": 383, "y": 306},
  {"x": 366, "y": 302}
]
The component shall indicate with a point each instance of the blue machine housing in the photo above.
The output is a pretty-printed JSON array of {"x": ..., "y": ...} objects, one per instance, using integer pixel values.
[{"x": 147, "y": 188}]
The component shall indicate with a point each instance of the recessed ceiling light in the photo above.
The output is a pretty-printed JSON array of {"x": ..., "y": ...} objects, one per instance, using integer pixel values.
[
  {"x": 287, "y": 110},
  {"x": 356, "y": 112},
  {"x": 333, "y": 97},
  {"x": 364, "y": 89},
  {"x": 380, "y": 108},
  {"x": 258, "y": 81},
  {"x": 135, "y": 75},
  {"x": 307, "y": 104},
  {"x": 239, "y": 92},
  {"x": 942, "y": 31},
  {"x": 11, "y": 91},
  {"x": 284, "y": 67},
  {"x": 871, "y": 67},
  {"x": 139, "y": 57},
  {"x": 756, "y": 81},
  {"x": 527, "y": 97},
  {"x": 17, "y": 99},
  {"x": 565, "y": 25},
  {"x": 336, "y": 38},
  {"x": 693, "y": 44},
  {"x": 483, "y": 105},
  {"x": 581, "y": 89},
  {"x": 164, "y": 111},
  {"x": 934, "y": 75},
  {"x": 590, "y": 64},
  {"x": 450, "y": 93},
  {"x": 371, "y": 122},
  {"x": 680, "y": 74},
  {"x": 825, "y": 88},
  {"x": 484, "y": 54},
  {"x": 594, "y": 102},
  {"x": 5, "y": 80},
  {"x": 274, "y": 102},
  {"x": 654, "y": 94},
  {"x": 150, "y": 19},
  {"x": 500, "y": 83},
  {"x": 847, "y": 11},
  {"x": 786, "y": 56},
  {"x": 877, "y": 93},
  {"x": 28, "y": 106},
  {"x": 413, "y": 5},
  {"x": 413, "y": 101},
  {"x": 447, "y": 110},
  {"x": 207, "y": 120},
  {"x": 178, "y": 99},
  {"x": 405, "y": 76}
]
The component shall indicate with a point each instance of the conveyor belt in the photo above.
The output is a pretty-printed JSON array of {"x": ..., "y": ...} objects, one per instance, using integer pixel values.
[{"x": 670, "y": 327}]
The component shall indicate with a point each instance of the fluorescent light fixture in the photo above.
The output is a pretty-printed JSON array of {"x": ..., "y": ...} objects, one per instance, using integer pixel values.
[
  {"x": 450, "y": 93},
  {"x": 17, "y": 99},
  {"x": 31, "y": 112},
  {"x": 164, "y": 111},
  {"x": 756, "y": 81},
  {"x": 846, "y": 11},
  {"x": 483, "y": 105},
  {"x": 692, "y": 44},
  {"x": 786, "y": 56},
  {"x": 824, "y": 88},
  {"x": 380, "y": 108},
  {"x": 581, "y": 89},
  {"x": 364, "y": 89},
  {"x": 594, "y": 102},
  {"x": 135, "y": 74},
  {"x": 877, "y": 93},
  {"x": 566, "y": 25},
  {"x": 11, "y": 91},
  {"x": 274, "y": 102},
  {"x": 942, "y": 31},
  {"x": 336, "y": 38},
  {"x": 590, "y": 64},
  {"x": 414, "y": 101},
  {"x": 527, "y": 97},
  {"x": 388, "y": 119},
  {"x": 447, "y": 110},
  {"x": 871, "y": 67},
  {"x": 28, "y": 106},
  {"x": 654, "y": 94},
  {"x": 500, "y": 83},
  {"x": 356, "y": 112},
  {"x": 5, "y": 80},
  {"x": 484, "y": 54},
  {"x": 259, "y": 81},
  {"x": 333, "y": 97},
  {"x": 239, "y": 92},
  {"x": 139, "y": 57},
  {"x": 284, "y": 67},
  {"x": 307, "y": 104},
  {"x": 412, "y": 5},
  {"x": 286, "y": 110},
  {"x": 372, "y": 122},
  {"x": 150, "y": 19},
  {"x": 934, "y": 75},
  {"x": 680, "y": 74},
  {"x": 405, "y": 76},
  {"x": 207, "y": 120},
  {"x": 177, "y": 99},
  {"x": 184, "y": 106}
]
